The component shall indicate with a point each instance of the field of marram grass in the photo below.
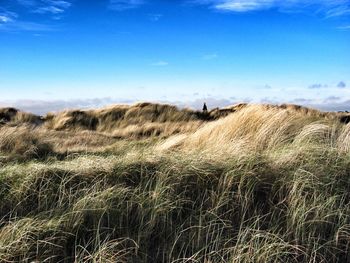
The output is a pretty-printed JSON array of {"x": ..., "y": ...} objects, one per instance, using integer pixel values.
[{"x": 264, "y": 184}]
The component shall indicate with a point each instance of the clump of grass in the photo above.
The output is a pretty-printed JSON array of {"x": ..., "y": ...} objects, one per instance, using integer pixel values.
[
  {"x": 260, "y": 128},
  {"x": 23, "y": 142},
  {"x": 120, "y": 116},
  {"x": 15, "y": 117}
]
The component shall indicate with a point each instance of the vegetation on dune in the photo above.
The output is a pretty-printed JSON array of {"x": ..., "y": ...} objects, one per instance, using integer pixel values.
[
  {"x": 123, "y": 117},
  {"x": 16, "y": 117},
  {"x": 264, "y": 184},
  {"x": 23, "y": 142}
]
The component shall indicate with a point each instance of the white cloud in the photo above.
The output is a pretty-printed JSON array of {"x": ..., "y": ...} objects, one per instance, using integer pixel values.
[
  {"x": 340, "y": 10},
  {"x": 50, "y": 10},
  {"x": 10, "y": 21},
  {"x": 7, "y": 17},
  {"x": 330, "y": 8},
  {"x": 155, "y": 17},
  {"x": 25, "y": 26},
  {"x": 60, "y": 3},
  {"x": 341, "y": 85},
  {"x": 210, "y": 101},
  {"x": 52, "y": 7},
  {"x": 121, "y": 5},
  {"x": 41, "y": 107},
  {"x": 36, "y": 3},
  {"x": 46, "y": 6},
  {"x": 318, "y": 86},
  {"x": 244, "y": 6},
  {"x": 344, "y": 27},
  {"x": 160, "y": 63}
]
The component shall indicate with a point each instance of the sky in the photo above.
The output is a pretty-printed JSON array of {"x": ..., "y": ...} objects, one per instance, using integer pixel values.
[{"x": 57, "y": 54}]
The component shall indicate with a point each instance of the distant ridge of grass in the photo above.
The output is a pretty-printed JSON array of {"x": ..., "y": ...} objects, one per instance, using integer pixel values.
[
  {"x": 123, "y": 121},
  {"x": 120, "y": 116},
  {"x": 17, "y": 117}
]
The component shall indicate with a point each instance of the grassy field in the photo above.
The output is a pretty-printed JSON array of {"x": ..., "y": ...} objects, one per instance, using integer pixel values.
[{"x": 150, "y": 183}]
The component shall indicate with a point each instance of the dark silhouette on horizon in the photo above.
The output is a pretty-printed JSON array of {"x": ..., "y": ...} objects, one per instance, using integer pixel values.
[{"x": 205, "y": 108}]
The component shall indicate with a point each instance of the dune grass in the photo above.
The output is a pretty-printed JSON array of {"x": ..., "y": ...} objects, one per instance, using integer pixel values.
[{"x": 261, "y": 185}]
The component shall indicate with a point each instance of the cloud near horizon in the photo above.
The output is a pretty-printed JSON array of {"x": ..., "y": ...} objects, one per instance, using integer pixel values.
[
  {"x": 341, "y": 84},
  {"x": 318, "y": 86},
  {"x": 42, "y": 107}
]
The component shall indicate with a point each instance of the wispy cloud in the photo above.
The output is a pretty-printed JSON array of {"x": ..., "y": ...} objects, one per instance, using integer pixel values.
[
  {"x": 155, "y": 17},
  {"x": 302, "y": 101},
  {"x": 121, "y": 5},
  {"x": 26, "y": 26},
  {"x": 330, "y": 8},
  {"x": 340, "y": 10},
  {"x": 35, "y": 3},
  {"x": 9, "y": 22},
  {"x": 344, "y": 27},
  {"x": 341, "y": 84},
  {"x": 60, "y": 3},
  {"x": 332, "y": 99},
  {"x": 331, "y": 103},
  {"x": 50, "y": 10},
  {"x": 160, "y": 63},
  {"x": 318, "y": 86},
  {"x": 212, "y": 102},
  {"x": 244, "y": 6},
  {"x": 53, "y": 7},
  {"x": 7, "y": 17},
  {"x": 42, "y": 107}
]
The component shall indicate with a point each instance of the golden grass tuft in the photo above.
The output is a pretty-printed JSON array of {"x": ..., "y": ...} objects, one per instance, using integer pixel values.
[
  {"x": 24, "y": 142},
  {"x": 16, "y": 117},
  {"x": 261, "y": 127},
  {"x": 119, "y": 116}
]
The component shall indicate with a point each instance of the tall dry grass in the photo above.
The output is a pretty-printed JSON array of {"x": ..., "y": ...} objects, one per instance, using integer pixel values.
[
  {"x": 23, "y": 142},
  {"x": 120, "y": 117},
  {"x": 16, "y": 117},
  {"x": 264, "y": 184},
  {"x": 260, "y": 128}
]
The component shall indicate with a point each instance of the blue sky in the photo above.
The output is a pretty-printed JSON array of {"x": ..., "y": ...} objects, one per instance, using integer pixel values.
[{"x": 80, "y": 53}]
